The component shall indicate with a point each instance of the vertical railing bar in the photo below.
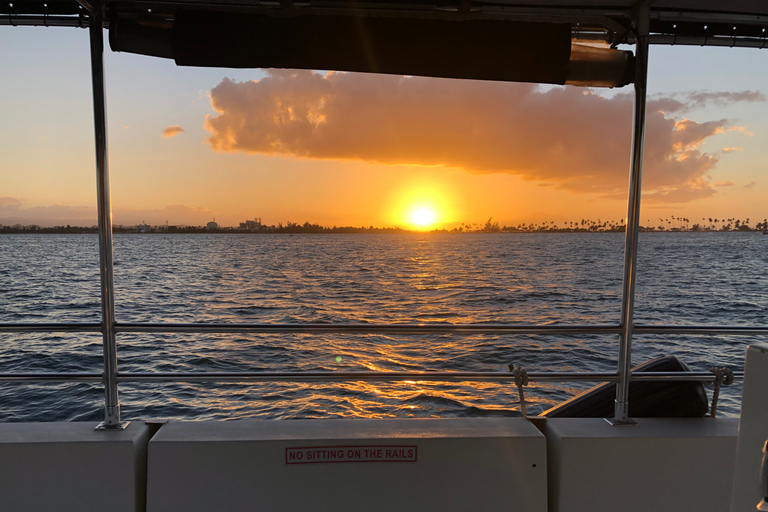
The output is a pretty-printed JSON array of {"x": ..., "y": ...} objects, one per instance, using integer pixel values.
[
  {"x": 621, "y": 410},
  {"x": 106, "y": 263}
]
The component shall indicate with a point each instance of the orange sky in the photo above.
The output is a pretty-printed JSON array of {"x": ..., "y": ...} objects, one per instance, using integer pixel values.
[{"x": 188, "y": 145}]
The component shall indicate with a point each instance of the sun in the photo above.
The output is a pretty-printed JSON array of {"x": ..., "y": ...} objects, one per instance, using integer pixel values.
[
  {"x": 422, "y": 217},
  {"x": 422, "y": 205}
]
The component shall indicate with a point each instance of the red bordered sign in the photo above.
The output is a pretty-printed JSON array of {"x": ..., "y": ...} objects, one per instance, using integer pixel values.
[{"x": 328, "y": 454}]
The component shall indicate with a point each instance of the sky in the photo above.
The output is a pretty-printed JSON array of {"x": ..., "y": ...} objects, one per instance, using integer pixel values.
[{"x": 187, "y": 145}]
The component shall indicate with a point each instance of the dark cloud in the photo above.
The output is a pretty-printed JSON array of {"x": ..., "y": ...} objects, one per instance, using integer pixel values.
[
  {"x": 566, "y": 136},
  {"x": 172, "y": 131},
  {"x": 750, "y": 184}
]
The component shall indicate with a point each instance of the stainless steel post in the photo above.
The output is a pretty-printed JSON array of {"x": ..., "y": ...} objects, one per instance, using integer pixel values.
[
  {"x": 111, "y": 403},
  {"x": 621, "y": 411}
]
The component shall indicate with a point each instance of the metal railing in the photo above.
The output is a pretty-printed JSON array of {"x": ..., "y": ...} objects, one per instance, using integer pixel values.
[
  {"x": 392, "y": 329},
  {"x": 109, "y": 327},
  {"x": 367, "y": 376},
  {"x": 403, "y": 329}
]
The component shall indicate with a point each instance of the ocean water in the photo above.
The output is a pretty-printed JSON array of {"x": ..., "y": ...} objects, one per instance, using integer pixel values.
[{"x": 564, "y": 278}]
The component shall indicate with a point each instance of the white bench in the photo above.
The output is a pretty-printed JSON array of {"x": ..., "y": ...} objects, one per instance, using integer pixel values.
[
  {"x": 348, "y": 465},
  {"x": 69, "y": 467}
]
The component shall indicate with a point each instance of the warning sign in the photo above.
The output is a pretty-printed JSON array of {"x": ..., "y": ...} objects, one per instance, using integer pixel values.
[{"x": 321, "y": 454}]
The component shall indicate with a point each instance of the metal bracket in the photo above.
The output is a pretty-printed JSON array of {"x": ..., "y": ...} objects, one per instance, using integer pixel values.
[
  {"x": 629, "y": 422},
  {"x": 521, "y": 380},
  {"x": 106, "y": 427}
]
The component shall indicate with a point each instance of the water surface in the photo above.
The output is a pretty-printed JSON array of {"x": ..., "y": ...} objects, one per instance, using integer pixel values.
[{"x": 565, "y": 278}]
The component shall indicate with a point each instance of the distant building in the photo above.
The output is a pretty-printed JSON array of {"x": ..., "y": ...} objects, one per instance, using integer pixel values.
[
  {"x": 212, "y": 225},
  {"x": 251, "y": 225},
  {"x": 143, "y": 227}
]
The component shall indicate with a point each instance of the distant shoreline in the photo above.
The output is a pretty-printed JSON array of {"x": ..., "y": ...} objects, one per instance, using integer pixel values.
[
  {"x": 75, "y": 230},
  {"x": 256, "y": 227}
]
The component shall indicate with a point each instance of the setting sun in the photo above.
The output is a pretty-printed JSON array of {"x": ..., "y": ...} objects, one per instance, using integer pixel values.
[
  {"x": 424, "y": 202},
  {"x": 422, "y": 217}
]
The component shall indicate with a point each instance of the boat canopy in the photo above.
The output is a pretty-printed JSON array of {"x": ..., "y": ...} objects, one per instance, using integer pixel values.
[{"x": 555, "y": 41}]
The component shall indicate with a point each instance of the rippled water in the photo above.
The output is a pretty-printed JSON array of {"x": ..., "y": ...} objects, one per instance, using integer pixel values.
[{"x": 685, "y": 278}]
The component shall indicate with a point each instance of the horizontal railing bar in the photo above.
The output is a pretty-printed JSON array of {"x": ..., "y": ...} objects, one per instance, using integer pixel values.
[
  {"x": 366, "y": 328},
  {"x": 245, "y": 328},
  {"x": 317, "y": 376},
  {"x": 32, "y": 20},
  {"x": 51, "y": 377},
  {"x": 409, "y": 376},
  {"x": 721, "y": 330},
  {"x": 705, "y": 377},
  {"x": 50, "y": 327},
  {"x": 723, "y": 41},
  {"x": 359, "y": 376}
]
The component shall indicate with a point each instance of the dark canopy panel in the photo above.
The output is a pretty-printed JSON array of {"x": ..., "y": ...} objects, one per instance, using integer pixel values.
[
  {"x": 547, "y": 41},
  {"x": 479, "y": 49}
]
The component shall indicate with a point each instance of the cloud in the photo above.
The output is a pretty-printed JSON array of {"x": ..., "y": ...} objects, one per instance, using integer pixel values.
[
  {"x": 723, "y": 184},
  {"x": 565, "y": 136},
  {"x": 750, "y": 184},
  {"x": 54, "y": 215},
  {"x": 684, "y": 101},
  {"x": 9, "y": 203},
  {"x": 704, "y": 98},
  {"x": 172, "y": 131},
  {"x": 731, "y": 150}
]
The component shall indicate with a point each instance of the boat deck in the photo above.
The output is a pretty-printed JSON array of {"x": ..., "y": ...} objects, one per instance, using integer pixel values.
[{"x": 377, "y": 465}]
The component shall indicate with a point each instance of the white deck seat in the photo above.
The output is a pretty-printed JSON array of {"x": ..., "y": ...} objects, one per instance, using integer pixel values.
[
  {"x": 69, "y": 467},
  {"x": 753, "y": 431},
  {"x": 658, "y": 465},
  {"x": 348, "y": 465}
]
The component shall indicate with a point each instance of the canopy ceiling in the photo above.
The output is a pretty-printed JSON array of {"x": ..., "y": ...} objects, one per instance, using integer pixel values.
[
  {"x": 534, "y": 41},
  {"x": 712, "y": 19}
]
